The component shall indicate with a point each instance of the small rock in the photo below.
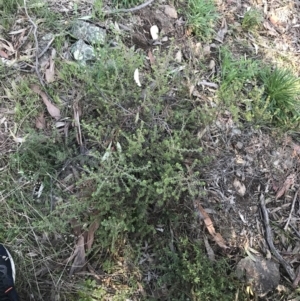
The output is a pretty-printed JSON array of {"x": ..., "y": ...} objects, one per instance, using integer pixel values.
[
  {"x": 212, "y": 65},
  {"x": 236, "y": 131},
  {"x": 83, "y": 52},
  {"x": 90, "y": 33},
  {"x": 239, "y": 145},
  {"x": 178, "y": 56},
  {"x": 196, "y": 93},
  {"x": 206, "y": 50},
  {"x": 197, "y": 49},
  {"x": 274, "y": 19},
  {"x": 253, "y": 209},
  {"x": 165, "y": 24},
  {"x": 171, "y": 12},
  {"x": 262, "y": 274},
  {"x": 239, "y": 173},
  {"x": 47, "y": 37}
]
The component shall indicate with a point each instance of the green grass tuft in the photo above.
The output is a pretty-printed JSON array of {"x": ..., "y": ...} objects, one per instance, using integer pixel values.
[
  {"x": 253, "y": 18},
  {"x": 126, "y": 3},
  {"x": 281, "y": 95},
  {"x": 201, "y": 18}
]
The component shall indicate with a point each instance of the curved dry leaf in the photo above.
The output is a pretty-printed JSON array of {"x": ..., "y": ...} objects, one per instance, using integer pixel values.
[
  {"x": 151, "y": 58},
  {"x": 221, "y": 33},
  {"x": 274, "y": 19},
  {"x": 209, "y": 250},
  {"x": 178, "y": 57},
  {"x": 40, "y": 122},
  {"x": 208, "y": 84},
  {"x": 271, "y": 30},
  {"x": 240, "y": 187},
  {"x": 32, "y": 254},
  {"x": 3, "y": 54},
  {"x": 51, "y": 108},
  {"x": 91, "y": 234},
  {"x": 220, "y": 241},
  {"x": 79, "y": 260},
  {"x": 50, "y": 73},
  {"x": 210, "y": 227},
  {"x": 290, "y": 180},
  {"x": 75, "y": 226}
]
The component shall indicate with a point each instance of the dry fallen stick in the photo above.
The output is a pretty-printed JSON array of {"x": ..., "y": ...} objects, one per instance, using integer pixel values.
[
  {"x": 292, "y": 209},
  {"x": 269, "y": 238},
  {"x": 128, "y": 10}
]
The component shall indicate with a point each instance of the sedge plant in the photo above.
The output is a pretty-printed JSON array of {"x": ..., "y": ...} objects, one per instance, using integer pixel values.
[{"x": 281, "y": 90}]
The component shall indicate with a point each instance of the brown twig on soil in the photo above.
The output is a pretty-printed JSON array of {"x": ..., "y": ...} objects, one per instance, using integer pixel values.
[
  {"x": 292, "y": 209},
  {"x": 128, "y": 10},
  {"x": 269, "y": 238}
]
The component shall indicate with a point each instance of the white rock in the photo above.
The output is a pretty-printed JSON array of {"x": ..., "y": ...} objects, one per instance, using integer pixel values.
[{"x": 171, "y": 12}]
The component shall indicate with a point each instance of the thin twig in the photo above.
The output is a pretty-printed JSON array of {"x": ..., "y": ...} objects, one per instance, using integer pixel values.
[
  {"x": 269, "y": 238},
  {"x": 292, "y": 209},
  {"x": 297, "y": 278},
  {"x": 128, "y": 10},
  {"x": 295, "y": 230},
  {"x": 46, "y": 48},
  {"x": 36, "y": 46}
]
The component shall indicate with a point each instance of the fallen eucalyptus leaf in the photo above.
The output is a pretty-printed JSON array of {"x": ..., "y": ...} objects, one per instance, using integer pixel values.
[{"x": 51, "y": 108}]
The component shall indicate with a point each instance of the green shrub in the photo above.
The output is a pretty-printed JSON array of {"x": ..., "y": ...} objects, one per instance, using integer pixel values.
[
  {"x": 139, "y": 167},
  {"x": 189, "y": 268}
]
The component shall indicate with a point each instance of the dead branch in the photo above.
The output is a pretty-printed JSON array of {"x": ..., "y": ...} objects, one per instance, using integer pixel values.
[{"x": 269, "y": 238}]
